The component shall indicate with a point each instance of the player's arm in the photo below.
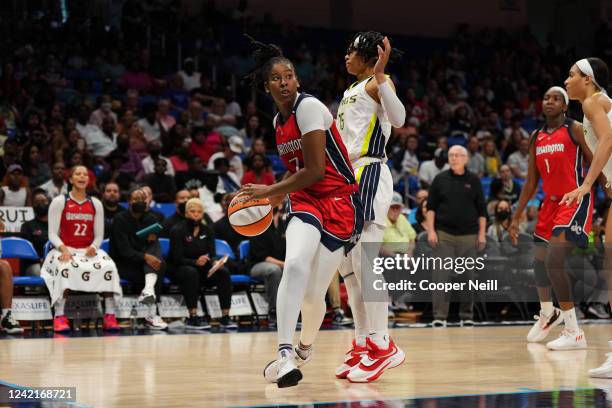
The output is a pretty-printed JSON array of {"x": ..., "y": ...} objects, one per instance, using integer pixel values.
[
  {"x": 529, "y": 189},
  {"x": 382, "y": 89},
  {"x": 595, "y": 112},
  {"x": 578, "y": 133},
  {"x": 55, "y": 215}
]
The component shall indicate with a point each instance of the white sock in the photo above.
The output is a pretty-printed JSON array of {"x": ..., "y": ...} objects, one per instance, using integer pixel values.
[
  {"x": 569, "y": 317},
  {"x": 109, "y": 305},
  {"x": 59, "y": 307},
  {"x": 547, "y": 308},
  {"x": 150, "y": 281},
  {"x": 5, "y": 312},
  {"x": 380, "y": 339}
]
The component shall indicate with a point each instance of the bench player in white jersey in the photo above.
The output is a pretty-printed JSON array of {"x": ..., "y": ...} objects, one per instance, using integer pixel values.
[
  {"x": 588, "y": 83},
  {"x": 368, "y": 110}
]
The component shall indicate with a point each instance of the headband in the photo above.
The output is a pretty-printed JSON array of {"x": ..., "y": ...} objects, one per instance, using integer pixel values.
[
  {"x": 585, "y": 67},
  {"x": 561, "y": 91}
]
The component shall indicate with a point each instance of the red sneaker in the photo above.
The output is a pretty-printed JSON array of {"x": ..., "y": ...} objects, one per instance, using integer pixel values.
[
  {"x": 376, "y": 361},
  {"x": 110, "y": 323},
  {"x": 351, "y": 359},
  {"x": 60, "y": 324}
]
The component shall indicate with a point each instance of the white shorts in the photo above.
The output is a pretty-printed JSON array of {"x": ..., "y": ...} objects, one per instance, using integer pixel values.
[
  {"x": 376, "y": 191},
  {"x": 96, "y": 274}
]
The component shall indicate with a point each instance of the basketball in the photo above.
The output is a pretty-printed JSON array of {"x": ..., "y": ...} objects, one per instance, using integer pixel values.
[{"x": 249, "y": 217}]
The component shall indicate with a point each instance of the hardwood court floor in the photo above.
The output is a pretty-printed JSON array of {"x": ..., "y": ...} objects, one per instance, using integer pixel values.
[{"x": 226, "y": 369}]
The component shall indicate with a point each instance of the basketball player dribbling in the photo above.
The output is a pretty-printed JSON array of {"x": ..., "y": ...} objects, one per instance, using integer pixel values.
[
  {"x": 367, "y": 111},
  {"x": 587, "y": 83},
  {"x": 556, "y": 156},
  {"x": 324, "y": 210}
]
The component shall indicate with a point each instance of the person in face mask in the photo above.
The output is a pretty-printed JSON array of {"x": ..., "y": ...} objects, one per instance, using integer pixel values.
[
  {"x": 192, "y": 255},
  {"x": 37, "y": 230},
  {"x": 498, "y": 230},
  {"x": 139, "y": 259},
  {"x": 180, "y": 198}
]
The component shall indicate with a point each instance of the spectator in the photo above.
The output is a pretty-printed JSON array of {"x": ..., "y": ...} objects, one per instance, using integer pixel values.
[
  {"x": 251, "y": 131},
  {"x": 232, "y": 152},
  {"x": 15, "y": 191},
  {"x": 159, "y": 217},
  {"x": 108, "y": 129},
  {"x": 204, "y": 145},
  {"x": 133, "y": 163},
  {"x": 431, "y": 168},
  {"x": 196, "y": 116},
  {"x": 257, "y": 170},
  {"x": 35, "y": 169},
  {"x": 515, "y": 125},
  {"x": 421, "y": 218},
  {"x": 8, "y": 323},
  {"x": 498, "y": 230},
  {"x": 519, "y": 160},
  {"x": 110, "y": 201},
  {"x": 180, "y": 159},
  {"x": 162, "y": 185},
  {"x": 103, "y": 112},
  {"x": 267, "y": 259},
  {"x": 492, "y": 159},
  {"x": 192, "y": 252},
  {"x": 57, "y": 185},
  {"x": 180, "y": 199},
  {"x": 139, "y": 259},
  {"x": 148, "y": 163},
  {"x": 456, "y": 221},
  {"x": 37, "y": 230},
  {"x": 338, "y": 317},
  {"x": 510, "y": 190},
  {"x": 150, "y": 123},
  {"x": 194, "y": 177},
  {"x": 163, "y": 115},
  {"x": 532, "y": 216},
  {"x": 76, "y": 230},
  {"x": 476, "y": 163},
  {"x": 189, "y": 77},
  {"x": 223, "y": 229},
  {"x": 410, "y": 161},
  {"x": 211, "y": 197},
  {"x": 399, "y": 236},
  {"x": 228, "y": 181},
  {"x": 99, "y": 144}
]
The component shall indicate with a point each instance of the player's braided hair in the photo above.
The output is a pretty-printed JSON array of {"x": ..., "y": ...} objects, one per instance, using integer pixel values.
[
  {"x": 265, "y": 56},
  {"x": 364, "y": 43}
]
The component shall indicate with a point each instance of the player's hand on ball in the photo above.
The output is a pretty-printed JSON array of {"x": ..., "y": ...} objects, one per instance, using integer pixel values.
[
  {"x": 255, "y": 190},
  {"x": 91, "y": 252},
  {"x": 575, "y": 196}
]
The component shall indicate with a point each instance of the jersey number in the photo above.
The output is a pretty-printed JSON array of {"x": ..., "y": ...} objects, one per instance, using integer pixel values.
[
  {"x": 81, "y": 230},
  {"x": 341, "y": 121},
  {"x": 547, "y": 166},
  {"x": 296, "y": 164}
]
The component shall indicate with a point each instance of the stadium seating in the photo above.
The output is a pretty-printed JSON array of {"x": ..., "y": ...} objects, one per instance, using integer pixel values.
[
  {"x": 222, "y": 248},
  {"x": 244, "y": 248},
  {"x": 13, "y": 247}
]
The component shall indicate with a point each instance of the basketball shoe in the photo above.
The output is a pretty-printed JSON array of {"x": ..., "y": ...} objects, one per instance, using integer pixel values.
[
  {"x": 284, "y": 371},
  {"x": 146, "y": 297},
  {"x": 376, "y": 361},
  {"x": 543, "y": 325},
  {"x": 271, "y": 370},
  {"x": 605, "y": 370},
  {"x": 351, "y": 359},
  {"x": 60, "y": 324},
  {"x": 569, "y": 339},
  {"x": 110, "y": 323}
]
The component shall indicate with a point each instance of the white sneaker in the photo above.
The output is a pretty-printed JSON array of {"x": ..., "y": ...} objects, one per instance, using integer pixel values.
[
  {"x": 543, "y": 325},
  {"x": 156, "y": 323},
  {"x": 287, "y": 371},
  {"x": 146, "y": 297},
  {"x": 605, "y": 370},
  {"x": 568, "y": 340},
  {"x": 438, "y": 323},
  {"x": 271, "y": 370}
]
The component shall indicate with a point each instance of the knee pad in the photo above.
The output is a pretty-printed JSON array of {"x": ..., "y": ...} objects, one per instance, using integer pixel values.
[{"x": 541, "y": 276}]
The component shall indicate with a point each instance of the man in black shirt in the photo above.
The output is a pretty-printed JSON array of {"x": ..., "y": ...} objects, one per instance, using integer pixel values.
[
  {"x": 180, "y": 198},
  {"x": 159, "y": 217},
  {"x": 110, "y": 202},
  {"x": 456, "y": 225},
  {"x": 267, "y": 260},
  {"x": 162, "y": 185},
  {"x": 195, "y": 177},
  {"x": 37, "y": 230},
  {"x": 139, "y": 259}
]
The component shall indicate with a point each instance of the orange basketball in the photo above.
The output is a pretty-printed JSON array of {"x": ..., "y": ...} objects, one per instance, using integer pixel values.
[{"x": 249, "y": 217}]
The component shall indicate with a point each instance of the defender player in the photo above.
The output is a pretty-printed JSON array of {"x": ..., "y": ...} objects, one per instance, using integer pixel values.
[{"x": 325, "y": 213}]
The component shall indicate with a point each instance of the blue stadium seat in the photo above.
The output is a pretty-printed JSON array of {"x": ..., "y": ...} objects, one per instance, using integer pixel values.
[
  {"x": 124, "y": 204},
  {"x": 105, "y": 246},
  {"x": 223, "y": 248},
  {"x": 166, "y": 209},
  {"x": 244, "y": 248},
  {"x": 277, "y": 164},
  {"x": 13, "y": 247},
  {"x": 486, "y": 185},
  {"x": 457, "y": 140},
  {"x": 243, "y": 280},
  {"x": 28, "y": 281},
  {"x": 165, "y": 247},
  {"x": 48, "y": 247}
]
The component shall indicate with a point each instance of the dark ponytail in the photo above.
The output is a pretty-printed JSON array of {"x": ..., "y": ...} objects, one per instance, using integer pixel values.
[
  {"x": 265, "y": 56},
  {"x": 600, "y": 72},
  {"x": 365, "y": 44}
]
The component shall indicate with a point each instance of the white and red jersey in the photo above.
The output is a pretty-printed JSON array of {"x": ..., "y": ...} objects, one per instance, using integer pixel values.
[
  {"x": 559, "y": 160},
  {"x": 76, "y": 227}
]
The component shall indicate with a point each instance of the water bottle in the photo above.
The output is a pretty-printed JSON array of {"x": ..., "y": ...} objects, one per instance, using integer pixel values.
[{"x": 133, "y": 317}]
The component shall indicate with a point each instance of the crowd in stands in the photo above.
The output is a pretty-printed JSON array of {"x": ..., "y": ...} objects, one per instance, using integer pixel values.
[{"x": 107, "y": 96}]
